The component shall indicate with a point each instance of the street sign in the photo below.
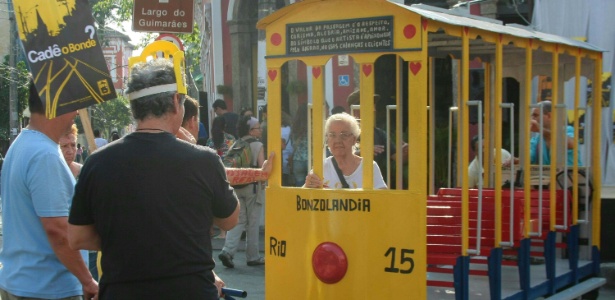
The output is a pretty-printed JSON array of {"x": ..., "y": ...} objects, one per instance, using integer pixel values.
[
  {"x": 342, "y": 60},
  {"x": 171, "y": 38},
  {"x": 163, "y": 16}
]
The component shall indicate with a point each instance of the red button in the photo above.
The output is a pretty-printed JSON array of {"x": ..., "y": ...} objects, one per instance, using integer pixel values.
[{"x": 329, "y": 262}]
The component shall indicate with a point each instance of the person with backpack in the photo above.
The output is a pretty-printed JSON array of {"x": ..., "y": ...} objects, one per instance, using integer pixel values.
[
  {"x": 220, "y": 140},
  {"x": 246, "y": 152}
]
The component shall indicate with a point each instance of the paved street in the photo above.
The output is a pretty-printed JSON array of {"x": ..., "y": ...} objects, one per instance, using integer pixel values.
[
  {"x": 243, "y": 277},
  {"x": 252, "y": 279}
]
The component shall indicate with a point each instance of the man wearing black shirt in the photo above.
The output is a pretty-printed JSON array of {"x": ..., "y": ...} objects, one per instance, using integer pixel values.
[{"x": 148, "y": 200}]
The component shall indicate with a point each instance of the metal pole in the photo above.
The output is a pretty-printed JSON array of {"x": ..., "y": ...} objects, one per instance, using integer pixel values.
[
  {"x": 451, "y": 110},
  {"x": 388, "y": 142},
  {"x": 479, "y": 151},
  {"x": 13, "y": 116}
]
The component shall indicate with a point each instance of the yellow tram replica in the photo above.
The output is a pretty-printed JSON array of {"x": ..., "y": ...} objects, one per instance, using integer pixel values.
[{"x": 416, "y": 241}]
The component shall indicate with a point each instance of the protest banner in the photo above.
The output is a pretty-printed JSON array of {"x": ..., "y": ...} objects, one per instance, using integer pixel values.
[{"x": 62, "y": 49}]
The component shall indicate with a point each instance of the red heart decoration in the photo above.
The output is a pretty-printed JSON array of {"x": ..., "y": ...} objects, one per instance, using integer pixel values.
[
  {"x": 424, "y": 22},
  {"x": 415, "y": 67},
  {"x": 276, "y": 39},
  {"x": 466, "y": 30},
  {"x": 272, "y": 74},
  {"x": 409, "y": 31},
  {"x": 367, "y": 69},
  {"x": 316, "y": 72}
]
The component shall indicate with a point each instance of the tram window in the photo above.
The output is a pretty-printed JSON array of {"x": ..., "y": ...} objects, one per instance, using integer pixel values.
[
  {"x": 380, "y": 138},
  {"x": 344, "y": 168},
  {"x": 296, "y": 150},
  {"x": 299, "y": 83}
]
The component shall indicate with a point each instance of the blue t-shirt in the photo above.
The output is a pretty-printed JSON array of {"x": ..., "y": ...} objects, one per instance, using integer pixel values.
[
  {"x": 546, "y": 157},
  {"x": 36, "y": 183},
  {"x": 202, "y": 131}
]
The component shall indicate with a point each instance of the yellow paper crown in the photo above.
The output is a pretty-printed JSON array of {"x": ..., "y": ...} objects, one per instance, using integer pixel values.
[{"x": 168, "y": 51}]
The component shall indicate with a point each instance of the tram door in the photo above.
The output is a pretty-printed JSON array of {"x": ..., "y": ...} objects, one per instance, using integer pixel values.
[{"x": 365, "y": 243}]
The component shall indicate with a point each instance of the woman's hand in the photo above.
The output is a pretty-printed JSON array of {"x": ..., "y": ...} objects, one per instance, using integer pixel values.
[{"x": 312, "y": 181}]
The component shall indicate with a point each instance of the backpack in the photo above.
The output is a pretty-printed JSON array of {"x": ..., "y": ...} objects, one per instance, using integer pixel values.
[{"x": 239, "y": 155}]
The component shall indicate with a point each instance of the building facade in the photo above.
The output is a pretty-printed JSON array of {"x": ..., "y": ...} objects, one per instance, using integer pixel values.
[
  {"x": 4, "y": 33},
  {"x": 233, "y": 52},
  {"x": 117, "y": 49}
]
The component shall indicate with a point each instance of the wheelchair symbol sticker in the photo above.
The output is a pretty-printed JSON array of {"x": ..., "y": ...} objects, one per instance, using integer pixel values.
[{"x": 343, "y": 80}]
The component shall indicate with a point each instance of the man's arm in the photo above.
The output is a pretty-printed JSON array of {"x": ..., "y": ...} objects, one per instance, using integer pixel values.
[
  {"x": 242, "y": 176},
  {"x": 218, "y": 282},
  {"x": 570, "y": 137},
  {"x": 546, "y": 134},
  {"x": 57, "y": 230},
  {"x": 83, "y": 237},
  {"x": 237, "y": 176},
  {"x": 229, "y": 222}
]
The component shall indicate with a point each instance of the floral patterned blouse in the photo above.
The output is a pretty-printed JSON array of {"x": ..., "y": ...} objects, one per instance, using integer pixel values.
[
  {"x": 300, "y": 149},
  {"x": 229, "y": 139}
]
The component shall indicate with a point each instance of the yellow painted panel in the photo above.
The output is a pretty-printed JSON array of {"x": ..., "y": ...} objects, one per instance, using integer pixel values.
[
  {"x": 276, "y": 42},
  {"x": 376, "y": 230},
  {"x": 326, "y": 15},
  {"x": 408, "y": 32}
]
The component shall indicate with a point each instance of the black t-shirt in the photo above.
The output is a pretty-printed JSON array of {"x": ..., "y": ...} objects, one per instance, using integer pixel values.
[{"x": 152, "y": 199}]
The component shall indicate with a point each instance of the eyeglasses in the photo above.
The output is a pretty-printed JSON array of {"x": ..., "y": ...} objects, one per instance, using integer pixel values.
[
  {"x": 342, "y": 135},
  {"x": 256, "y": 128}
]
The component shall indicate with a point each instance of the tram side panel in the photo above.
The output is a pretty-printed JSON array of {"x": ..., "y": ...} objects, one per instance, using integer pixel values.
[{"x": 380, "y": 233}]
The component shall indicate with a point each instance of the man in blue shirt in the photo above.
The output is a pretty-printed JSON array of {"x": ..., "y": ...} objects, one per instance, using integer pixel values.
[
  {"x": 545, "y": 106},
  {"x": 36, "y": 196}
]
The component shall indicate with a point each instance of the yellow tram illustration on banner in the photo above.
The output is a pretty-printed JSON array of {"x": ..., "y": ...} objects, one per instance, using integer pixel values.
[{"x": 420, "y": 238}]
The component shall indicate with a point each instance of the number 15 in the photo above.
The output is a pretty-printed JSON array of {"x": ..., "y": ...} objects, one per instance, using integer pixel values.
[{"x": 405, "y": 258}]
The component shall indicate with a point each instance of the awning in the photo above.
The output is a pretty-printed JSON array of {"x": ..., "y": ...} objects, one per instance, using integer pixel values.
[{"x": 458, "y": 18}]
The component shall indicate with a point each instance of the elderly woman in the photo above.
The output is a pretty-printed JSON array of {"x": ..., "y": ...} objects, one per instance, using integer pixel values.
[
  {"x": 342, "y": 131},
  {"x": 68, "y": 144}
]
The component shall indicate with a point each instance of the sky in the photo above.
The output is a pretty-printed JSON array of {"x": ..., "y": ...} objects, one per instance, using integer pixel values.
[{"x": 135, "y": 37}]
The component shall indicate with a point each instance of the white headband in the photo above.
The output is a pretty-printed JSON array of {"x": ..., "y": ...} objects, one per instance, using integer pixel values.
[{"x": 152, "y": 90}]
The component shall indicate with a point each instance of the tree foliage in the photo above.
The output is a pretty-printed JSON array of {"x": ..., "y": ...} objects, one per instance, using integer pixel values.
[
  {"x": 115, "y": 114},
  {"x": 22, "y": 94},
  {"x": 107, "y": 12},
  {"x": 111, "y": 115},
  {"x": 111, "y": 11}
]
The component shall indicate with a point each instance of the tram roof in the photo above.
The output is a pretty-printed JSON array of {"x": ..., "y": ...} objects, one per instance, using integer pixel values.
[
  {"x": 455, "y": 18},
  {"x": 458, "y": 18}
]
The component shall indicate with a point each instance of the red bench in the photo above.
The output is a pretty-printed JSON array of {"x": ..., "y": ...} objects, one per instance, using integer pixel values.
[{"x": 444, "y": 223}]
